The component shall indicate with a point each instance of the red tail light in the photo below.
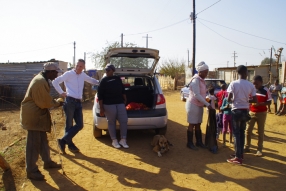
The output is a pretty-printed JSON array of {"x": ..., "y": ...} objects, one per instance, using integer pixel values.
[
  {"x": 160, "y": 99},
  {"x": 96, "y": 99}
]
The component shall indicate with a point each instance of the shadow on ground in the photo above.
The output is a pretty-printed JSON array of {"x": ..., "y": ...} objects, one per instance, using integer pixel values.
[{"x": 183, "y": 160}]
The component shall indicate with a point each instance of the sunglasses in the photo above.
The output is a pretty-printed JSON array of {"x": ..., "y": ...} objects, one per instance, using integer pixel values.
[{"x": 107, "y": 70}]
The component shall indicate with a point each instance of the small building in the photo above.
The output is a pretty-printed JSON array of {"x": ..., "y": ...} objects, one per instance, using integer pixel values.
[
  {"x": 17, "y": 76},
  {"x": 229, "y": 74}
]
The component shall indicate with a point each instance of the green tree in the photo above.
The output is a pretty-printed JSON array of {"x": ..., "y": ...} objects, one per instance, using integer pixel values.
[
  {"x": 173, "y": 68},
  {"x": 98, "y": 57},
  {"x": 266, "y": 61}
]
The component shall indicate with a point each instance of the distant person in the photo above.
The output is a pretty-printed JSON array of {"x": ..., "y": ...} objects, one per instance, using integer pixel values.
[
  {"x": 221, "y": 95},
  {"x": 112, "y": 101},
  {"x": 35, "y": 118},
  {"x": 281, "y": 109},
  {"x": 74, "y": 83},
  {"x": 227, "y": 126},
  {"x": 275, "y": 89},
  {"x": 240, "y": 93},
  {"x": 258, "y": 113},
  {"x": 195, "y": 104},
  {"x": 267, "y": 85}
]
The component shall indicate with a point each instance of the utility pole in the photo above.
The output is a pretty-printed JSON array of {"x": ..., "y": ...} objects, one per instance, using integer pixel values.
[
  {"x": 74, "y": 54},
  {"x": 270, "y": 64},
  {"x": 246, "y": 64},
  {"x": 84, "y": 57},
  {"x": 146, "y": 40},
  {"x": 121, "y": 39},
  {"x": 193, "y": 17},
  {"x": 234, "y": 63},
  {"x": 188, "y": 58}
]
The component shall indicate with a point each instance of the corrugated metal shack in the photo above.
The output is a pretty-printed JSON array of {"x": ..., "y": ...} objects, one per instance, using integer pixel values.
[{"x": 15, "y": 78}]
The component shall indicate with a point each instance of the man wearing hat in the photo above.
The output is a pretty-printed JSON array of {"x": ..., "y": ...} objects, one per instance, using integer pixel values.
[
  {"x": 35, "y": 118},
  {"x": 74, "y": 83}
]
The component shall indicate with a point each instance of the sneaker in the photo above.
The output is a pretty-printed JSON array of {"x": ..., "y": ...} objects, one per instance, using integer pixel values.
[
  {"x": 115, "y": 144},
  {"x": 258, "y": 154},
  {"x": 61, "y": 146},
  {"x": 35, "y": 175},
  {"x": 73, "y": 148},
  {"x": 52, "y": 164},
  {"x": 123, "y": 143},
  {"x": 235, "y": 161},
  {"x": 233, "y": 156}
]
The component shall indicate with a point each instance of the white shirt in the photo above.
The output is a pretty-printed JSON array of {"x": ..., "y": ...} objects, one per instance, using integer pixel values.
[
  {"x": 74, "y": 83},
  {"x": 241, "y": 90}
]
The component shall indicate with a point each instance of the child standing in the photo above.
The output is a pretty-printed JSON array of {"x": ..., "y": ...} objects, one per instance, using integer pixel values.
[
  {"x": 211, "y": 97},
  {"x": 226, "y": 121}
]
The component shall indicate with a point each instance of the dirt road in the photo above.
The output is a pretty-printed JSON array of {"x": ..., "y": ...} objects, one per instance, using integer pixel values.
[{"x": 101, "y": 167}]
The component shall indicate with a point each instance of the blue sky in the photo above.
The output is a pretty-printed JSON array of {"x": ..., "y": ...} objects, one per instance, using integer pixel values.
[{"x": 34, "y": 30}]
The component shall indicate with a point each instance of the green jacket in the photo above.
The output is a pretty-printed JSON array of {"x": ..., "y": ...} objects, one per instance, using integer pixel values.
[{"x": 35, "y": 114}]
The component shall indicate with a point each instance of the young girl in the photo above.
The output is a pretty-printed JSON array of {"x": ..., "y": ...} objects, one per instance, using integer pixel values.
[
  {"x": 211, "y": 97},
  {"x": 226, "y": 121}
]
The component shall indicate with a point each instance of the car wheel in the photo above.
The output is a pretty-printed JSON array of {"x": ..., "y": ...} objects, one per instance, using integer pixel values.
[
  {"x": 182, "y": 97},
  {"x": 96, "y": 132},
  {"x": 161, "y": 131}
]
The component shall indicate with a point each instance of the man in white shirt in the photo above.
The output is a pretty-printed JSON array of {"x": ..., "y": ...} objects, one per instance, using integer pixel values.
[
  {"x": 241, "y": 93},
  {"x": 74, "y": 83}
]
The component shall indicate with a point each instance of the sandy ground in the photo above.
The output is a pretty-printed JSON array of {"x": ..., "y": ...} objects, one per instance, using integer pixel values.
[{"x": 99, "y": 166}]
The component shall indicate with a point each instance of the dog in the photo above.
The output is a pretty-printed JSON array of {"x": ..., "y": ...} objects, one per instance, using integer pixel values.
[{"x": 160, "y": 144}]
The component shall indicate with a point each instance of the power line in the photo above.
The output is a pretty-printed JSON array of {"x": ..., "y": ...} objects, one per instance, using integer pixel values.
[
  {"x": 242, "y": 32},
  {"x": 208, "y": 7},
  {"x": 232, "y": 40},
  {"x": 37, "y": 49},
  {"x": 158, "y": 28}
]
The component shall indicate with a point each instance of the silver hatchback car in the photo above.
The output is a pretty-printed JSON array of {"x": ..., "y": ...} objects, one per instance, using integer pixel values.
[{"x": 135, "y": 67}]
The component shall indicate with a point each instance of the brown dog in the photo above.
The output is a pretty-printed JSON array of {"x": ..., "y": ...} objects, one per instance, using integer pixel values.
[{"x": 160, "y": 144}]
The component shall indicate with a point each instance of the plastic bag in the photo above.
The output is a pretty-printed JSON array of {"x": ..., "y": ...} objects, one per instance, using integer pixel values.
[{"x": 211, "y": 132}]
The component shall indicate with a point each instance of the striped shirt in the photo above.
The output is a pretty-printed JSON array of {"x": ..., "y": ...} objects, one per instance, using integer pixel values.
[{"x": 263, "y": 95}]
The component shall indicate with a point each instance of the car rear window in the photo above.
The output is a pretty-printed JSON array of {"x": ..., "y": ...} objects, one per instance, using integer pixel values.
[
  {"x": 214, "y": 83},
  {"x": 131, "y": 81}
]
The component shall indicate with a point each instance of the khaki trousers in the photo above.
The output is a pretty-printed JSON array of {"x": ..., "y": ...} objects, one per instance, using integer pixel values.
[{"x": 259, "y": 118}]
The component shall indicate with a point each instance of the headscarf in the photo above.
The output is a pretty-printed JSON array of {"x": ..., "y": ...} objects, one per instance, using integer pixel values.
[{"x": 202, "y": 66}]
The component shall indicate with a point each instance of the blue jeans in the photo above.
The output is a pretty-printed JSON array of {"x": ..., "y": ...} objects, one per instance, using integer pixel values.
[
  {"x": 239, "y": 119},
  {"x": 73, "y": 111}
]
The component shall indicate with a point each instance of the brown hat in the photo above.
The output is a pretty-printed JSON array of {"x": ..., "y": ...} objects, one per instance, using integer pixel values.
[{"x": 52, "y": 66}]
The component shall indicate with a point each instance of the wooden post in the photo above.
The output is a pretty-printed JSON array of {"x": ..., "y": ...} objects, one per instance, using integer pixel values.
[{"x": 3, "y": 164}]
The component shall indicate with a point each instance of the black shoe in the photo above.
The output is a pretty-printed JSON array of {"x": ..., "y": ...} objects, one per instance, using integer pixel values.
[
  {"x": 73, "y": 148},
  {"x": 199, "y": 143},
  {"x": 61, "y": 145},
  {"x": 52, "y": 164},
  {"x": 35, "y": 175},
  {"x": 190, "y": 143}
]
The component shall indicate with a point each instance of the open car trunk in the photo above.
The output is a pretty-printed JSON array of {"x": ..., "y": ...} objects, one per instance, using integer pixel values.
[{"x": 140, "y": 90}]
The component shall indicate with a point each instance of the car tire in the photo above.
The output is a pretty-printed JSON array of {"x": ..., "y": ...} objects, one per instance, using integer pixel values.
[
  {"x": 161, "y": 131},
  {"x": 182, "y": 97},
  {"x": 96, "y": 132}
]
